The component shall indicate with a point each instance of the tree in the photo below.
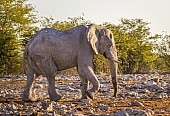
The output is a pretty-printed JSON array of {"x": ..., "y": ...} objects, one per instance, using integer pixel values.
[
  {"x": 16, "y": 19},
  {"x": 132, "y": 42},
  {"x": 162, "y": 49}
]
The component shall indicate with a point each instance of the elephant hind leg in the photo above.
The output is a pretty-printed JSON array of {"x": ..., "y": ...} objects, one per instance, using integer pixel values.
[
  {"x": 27, "y": 94},
  {"x": 49, "y": 69},
  {"x": 54, "y": 96}
]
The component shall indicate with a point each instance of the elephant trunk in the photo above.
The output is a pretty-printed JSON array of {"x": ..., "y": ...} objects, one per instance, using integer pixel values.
[{"x": 113, "y": 71}]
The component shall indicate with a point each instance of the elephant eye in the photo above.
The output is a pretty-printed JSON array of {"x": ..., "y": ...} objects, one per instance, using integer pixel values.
[
  {"x": 99, "y": 35},
  {"x": 111, "y": 36}
]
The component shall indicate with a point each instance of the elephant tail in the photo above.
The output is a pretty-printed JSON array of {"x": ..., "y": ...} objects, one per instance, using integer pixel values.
[{"x": 25, "y": 52}]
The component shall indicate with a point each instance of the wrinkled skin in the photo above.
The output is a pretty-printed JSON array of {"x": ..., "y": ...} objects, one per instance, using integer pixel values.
[{"x": 53, "y": 50}]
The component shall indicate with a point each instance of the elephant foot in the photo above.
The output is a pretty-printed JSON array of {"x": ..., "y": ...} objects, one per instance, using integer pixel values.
[
  {"x": 90, "y": 94},
  {"x": 30, "y": 99},
  {"x": 115, "y": 95},
  {"x": 83, "y": 97},
  {"x": 56, "y": 98}
]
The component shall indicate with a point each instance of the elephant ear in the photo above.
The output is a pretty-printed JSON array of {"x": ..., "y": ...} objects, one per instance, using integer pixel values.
[{"x": 92, "y": 36}]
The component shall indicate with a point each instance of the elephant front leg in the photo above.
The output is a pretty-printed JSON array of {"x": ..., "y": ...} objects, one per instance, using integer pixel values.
[
  {"x": 91, "y": 77},
  {"x": 91, "y": 92},
  {"x": 84, "y": 86},
  {"x": 27, "y": 94}
]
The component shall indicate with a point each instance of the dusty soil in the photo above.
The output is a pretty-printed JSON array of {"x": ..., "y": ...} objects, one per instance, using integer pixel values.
[{"x": 157, "y": 103}]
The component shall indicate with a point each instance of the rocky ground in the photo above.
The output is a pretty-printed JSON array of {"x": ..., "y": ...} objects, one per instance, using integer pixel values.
[{"x": 138, "y": 95}]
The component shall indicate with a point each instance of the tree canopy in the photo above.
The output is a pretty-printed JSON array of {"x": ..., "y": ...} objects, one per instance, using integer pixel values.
[
  {"x": 138, "y": 50},
  {"x": 16, "y": 20}
]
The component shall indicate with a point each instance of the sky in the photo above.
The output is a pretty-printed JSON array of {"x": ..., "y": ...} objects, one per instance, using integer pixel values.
[{"x": 155, "y": 12}]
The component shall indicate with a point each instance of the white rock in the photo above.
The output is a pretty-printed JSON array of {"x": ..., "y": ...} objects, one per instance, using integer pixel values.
[
  {"x": 104, "y": 89},
  {"x": 150, "y": 83},
  {"x": 13, "y": 107},
  {"x": 21, "y": 79},
  {"x": 71, "y": 89},
  {"x": 133, "y": 94},
  {"x": 63, "y": 87},
  {"x": 43, "y": 81}
]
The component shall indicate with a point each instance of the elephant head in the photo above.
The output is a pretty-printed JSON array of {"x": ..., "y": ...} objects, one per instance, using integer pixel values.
[{"x": 102, "y": 42}]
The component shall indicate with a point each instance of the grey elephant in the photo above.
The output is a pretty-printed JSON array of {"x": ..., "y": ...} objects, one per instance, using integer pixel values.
[{"x": 52, "y": 50}]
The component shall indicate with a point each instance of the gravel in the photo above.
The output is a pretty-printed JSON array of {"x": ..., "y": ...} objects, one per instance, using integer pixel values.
[{"x": 134, "y": 96}]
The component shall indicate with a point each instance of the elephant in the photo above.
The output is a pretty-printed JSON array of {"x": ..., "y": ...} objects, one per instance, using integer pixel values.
[{"x": 52, "y": 50}]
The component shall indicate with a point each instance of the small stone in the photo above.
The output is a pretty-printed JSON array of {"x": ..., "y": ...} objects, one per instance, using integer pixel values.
[
  {"x": 63, "y": 87},
  {"x": 70, "y": 88},
  {"x": 8, "y": 95},
  {"x": 157, "y": 97},
  {"x": 43, "y": 81},
  {"x": 38, "y": 86},
  {"x": 57, "y": 106},
  {"x": 51, "y": 113},
  {"x": 155, "y": 88},
  {"x": 134, "y": 112},
  {"x": 168, "y": 88},
  {"x": 133, "y": 94},
  {"x": 150, "y": 83},
  {"x": 155, "y": 79},
  {"x": 47, "y": 106},
  {"x": 150, "y": 112},
  {"x": 103, "y": 107},
  {"x": 136, "y": 103},
  {"x": 143, "y": 79},
  {"x": 13, "y": 107},
  {"x": 21, "y": 79},
  {"x": 36, "y": 104},
  {"x": 112, "y": 105},
  {"x": 121, "y": 113},
  {"x": 104, "y": 89},
  {"x": 85, "y": 101}
]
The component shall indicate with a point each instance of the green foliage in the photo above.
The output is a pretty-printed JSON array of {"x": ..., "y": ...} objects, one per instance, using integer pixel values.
[
  {"x": 101, "y": 64},
  {"x": 138, "y": 51},
  {"x": 15, "y": 23},
  {"x": 161, "y": 46},
  {"x": 63, "y": 25}
]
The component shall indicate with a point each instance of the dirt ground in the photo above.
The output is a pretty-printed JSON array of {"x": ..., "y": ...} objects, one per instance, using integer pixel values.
[{"x": 104, "y": 104}]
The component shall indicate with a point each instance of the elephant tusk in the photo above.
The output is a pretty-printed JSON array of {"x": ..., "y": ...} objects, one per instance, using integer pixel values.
[{"x": 115, "y": 60}]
